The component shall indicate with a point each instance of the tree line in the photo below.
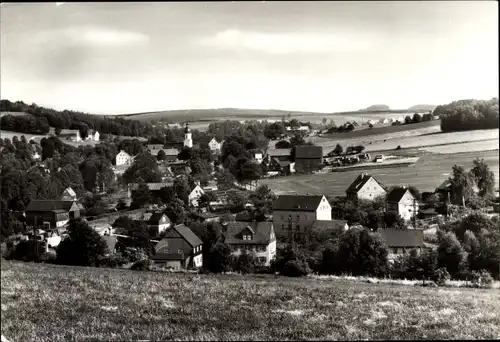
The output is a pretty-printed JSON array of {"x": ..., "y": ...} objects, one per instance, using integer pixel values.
[{"x": 465, "y": 115}]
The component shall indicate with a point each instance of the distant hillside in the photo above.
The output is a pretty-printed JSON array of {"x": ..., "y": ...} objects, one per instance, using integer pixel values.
[
  {"x": 377, "y": 108},
  {"x": 422, "y": 108}
]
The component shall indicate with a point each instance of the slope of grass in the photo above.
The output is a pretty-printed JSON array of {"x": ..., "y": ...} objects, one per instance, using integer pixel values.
[{"x": 54, "y": 303}]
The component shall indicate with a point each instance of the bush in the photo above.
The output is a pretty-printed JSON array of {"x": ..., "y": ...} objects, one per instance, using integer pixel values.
[
  {"x": 295, "y": 268},
  {"x": 481, "y": 279},
  {"x": 133, "y": 254},
  {"x": 399, "y": 147},
  {"x": 441, "y": 276},
  {"x": 245, "y": 263},
  {"x": 142, "y": 265},
  {"x": 113, "y": 260},
  {"x": 28, "y": 251},
  {"x": 48, "y": 257}
]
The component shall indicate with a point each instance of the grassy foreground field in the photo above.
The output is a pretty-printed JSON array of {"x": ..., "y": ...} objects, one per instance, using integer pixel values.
[{"x": 54, "y": 303}]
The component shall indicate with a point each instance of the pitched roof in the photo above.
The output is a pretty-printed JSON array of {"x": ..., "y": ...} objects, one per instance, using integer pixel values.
[
  {"x": 156, "y": 217},
  {"x": 69, "y": 131},
  {"x": 151, "y": 186},
  {"x": 188, "y": 235},
  {"x": 396, "y": 195},
  {"x": 261, "y": 230},
  {"x": 297, "y": 202},
  {"x": 111, "y": 242},
  {"x": 70, "y": 191},
  {"x": 308, "y": 152},
  {"x": 49, "y": 205},
  {"x": 282, "y": 163},
  {"x": 359, "y": 182},
  {"x": 332, "y": 224},
  {"x": 402, "y": 237},
  {"x": 446, "y": 185},
  {"x": 279, "y": 152}
]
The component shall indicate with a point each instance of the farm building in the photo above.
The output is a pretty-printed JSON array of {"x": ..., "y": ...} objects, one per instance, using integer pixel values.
[
  {"x": 50, "y": 214},
  {"x": 365, "y": 187},
  {"x": 308, "y": 158},
  {"x": 158, "y": 223},
  {"x": 402, "y": 201},
  {"x": 283, "y": 166},
  {"x": 179, "y": 249},
  {"x": 282, "y": 154},
  {"x": 253, "y": 237},
  {"x": 293, "y": 214},
  {"x": 153, "y": 187},
  {"x": 402, "y": 241},
  {"x": 70, "y": 134}
]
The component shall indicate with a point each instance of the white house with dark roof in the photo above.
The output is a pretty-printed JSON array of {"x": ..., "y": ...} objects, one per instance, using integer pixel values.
[
  {"x": 215, "y": 145},
  {"x": 254, "y": 237},
  {"x": 365, "y": 187},
  {"x": 158, "y": 223},
  {"x": 92, "y": 135},
  {"x": 195, "y": 195},
  {"x": 402, "y": 201},
  {"x": 123, "y": 158},
  {"x": 294, "y": 214}
]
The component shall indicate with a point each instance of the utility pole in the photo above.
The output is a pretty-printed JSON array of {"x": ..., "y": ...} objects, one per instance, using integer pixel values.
[{"x": 414, "y": 214}]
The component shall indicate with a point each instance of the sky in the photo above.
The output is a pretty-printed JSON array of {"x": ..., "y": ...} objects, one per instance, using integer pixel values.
[{"x": 115, "y": 58}]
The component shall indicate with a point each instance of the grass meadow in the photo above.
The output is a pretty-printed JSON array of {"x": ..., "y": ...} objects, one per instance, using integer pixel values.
[{"x": 54, "y": 303}]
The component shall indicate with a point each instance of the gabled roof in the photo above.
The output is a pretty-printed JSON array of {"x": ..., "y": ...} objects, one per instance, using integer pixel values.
[
  {"x": 216, "y": 140},
  {"x": 262, "y": 232},
  {"x": 332, "y": 224},
  {"x": 188, "y": 235},
  {"x": 122, "y": 151},
  {"x": 359, "y": 182},
  {"x": 69, "y": 131},
  {"x": 282, "y": 163},
  {"x": 445, "y": 186},
  {"x": 151, "y": 186},
  {"x": 396, "y": 195},
  {"x": 297, "y": 202},
  {"x": 156, "y": 217},
  {"x": 71, "y": 192},
  {"x": 402, "y": 237},
  {"x": 171, "y": 151},
  {"x": 49, "y": 205},
  {"x": 111, "y": 242},
  {"x": 279, "y": 152},
  {"x": 307, "y": 152}
]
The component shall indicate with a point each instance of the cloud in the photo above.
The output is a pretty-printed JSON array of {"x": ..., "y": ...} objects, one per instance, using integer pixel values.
[
  {"x": 286, "y": 43},
  {"x": 92, "y": 36}
]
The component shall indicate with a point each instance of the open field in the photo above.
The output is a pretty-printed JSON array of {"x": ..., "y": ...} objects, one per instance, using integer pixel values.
[
  {"x": 475, "y": 146},
  {"x": 55, "y": 303},
  {"x": 428, "y": 173},
  {"x": 427, "y": 136},
  {"x": 13, "y": 113}
]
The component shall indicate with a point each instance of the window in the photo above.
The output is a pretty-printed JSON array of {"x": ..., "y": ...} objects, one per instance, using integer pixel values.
[
  {"x": 262, "y": 260},
  {"x": 46, "y": 225},
  {"x": 167, "y": 250},
  {"x": 298, "y": 227},
  {"x": 180, "y": 251},
  {"x": 282, "y": 227},
  {"x": 395, "y": 250},
  {"x": 298, "y": 217}
]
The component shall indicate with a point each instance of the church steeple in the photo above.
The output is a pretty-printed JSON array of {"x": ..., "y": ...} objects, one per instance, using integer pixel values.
[{"x": 188, "y": 141}]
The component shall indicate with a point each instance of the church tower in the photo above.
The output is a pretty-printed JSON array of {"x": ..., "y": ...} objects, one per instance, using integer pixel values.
[{"x": 188, "y": 141}]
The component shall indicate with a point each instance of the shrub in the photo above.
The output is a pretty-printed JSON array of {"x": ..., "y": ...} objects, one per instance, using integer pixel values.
[
  {"x": 399, "y": 147},
  {"x": 113, "y": 260},
  {"x": 132, "y": 254},
  {"x": 245, "y": 263},
  {"x": 481, "y": 279},
  {"x": 441, "y": 276},
  {"x": 142, "y": 265},
  {"x": 295, "y": 268},
  {"x": 28, "y": 251},
  {"x": 48, "y": 257}
]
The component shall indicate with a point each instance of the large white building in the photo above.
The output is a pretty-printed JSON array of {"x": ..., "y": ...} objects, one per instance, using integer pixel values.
[
  {"x": 215, "y": 145},
  {"x": 257, "y": 238},
  {"x": 195, "y": 195},
  {"x": 295, "y": 214},
  {"x": 123, "y": 158}
]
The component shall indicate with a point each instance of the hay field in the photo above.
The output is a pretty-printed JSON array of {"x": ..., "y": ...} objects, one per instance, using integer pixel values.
[
  {"x": 55, "y": 303},
  {"x": 428, "y": 173},
  {"x": 8, "y": 134},
  {"x": 475, "y": 146}
]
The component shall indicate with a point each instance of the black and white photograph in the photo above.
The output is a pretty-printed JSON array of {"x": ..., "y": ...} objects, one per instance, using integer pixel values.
[{"x": 249, "y": 171}]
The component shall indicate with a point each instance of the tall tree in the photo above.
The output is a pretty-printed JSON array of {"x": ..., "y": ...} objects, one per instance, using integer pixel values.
[{"x": 484, "y": 177}]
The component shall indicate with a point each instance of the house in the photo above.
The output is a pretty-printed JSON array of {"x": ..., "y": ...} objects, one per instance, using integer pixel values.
[
  {"x": 92, "y": 135},
  {"x": 70, "y": 134},
  {"x": 214, "y": 145},
  {"x": 123, "y": 158},
  {"x": 50, "y": 214},
  {"x": 402, "y": 201},
  {"x": 308, "y": 158},
  {"x": 179, "y": 249},
  {"x": 293, "y": 214},
  {"x": 110, "y": 242},
  {"x": 158, "y": 223},
  {"x": 282, "y": 154},
  {"x": 284, "y": 166},
  {"x": 254, "y": 237},
  {"x": 401, "y": 241},
  {"x": 154, "y": 147},
  {"x": 171, "y": 154},
  {"x": 153, "y": 187},
  {"x": 365, "y": 187},
  {"x": 444, "y": 192},
  {"x": 195, "y": 195}
]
